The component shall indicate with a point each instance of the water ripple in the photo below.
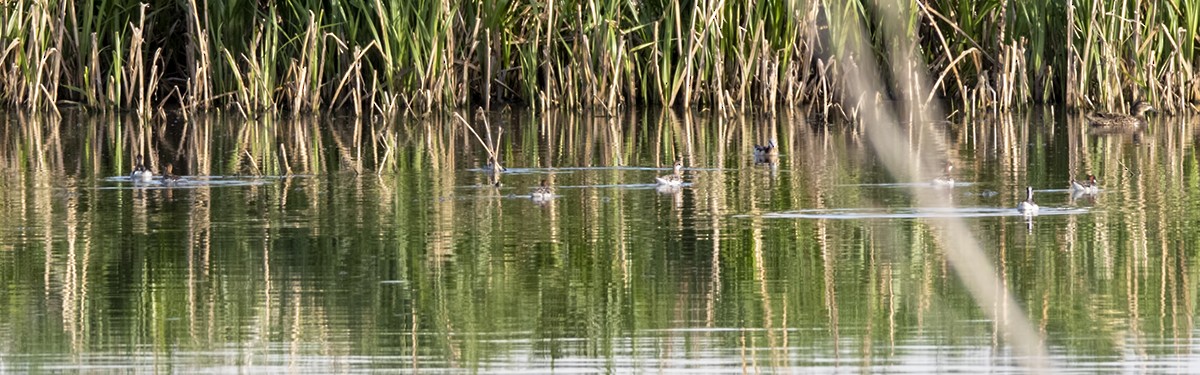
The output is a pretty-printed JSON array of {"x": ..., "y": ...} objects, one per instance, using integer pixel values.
[{"x": 913, "y": 213}]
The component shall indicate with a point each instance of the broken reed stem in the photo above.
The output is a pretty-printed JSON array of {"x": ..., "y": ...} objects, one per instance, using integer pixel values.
[{"x": 492, "y": 152}]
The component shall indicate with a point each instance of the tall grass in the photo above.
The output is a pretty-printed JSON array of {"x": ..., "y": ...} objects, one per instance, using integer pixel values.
[{"x": 374, "y": 57}]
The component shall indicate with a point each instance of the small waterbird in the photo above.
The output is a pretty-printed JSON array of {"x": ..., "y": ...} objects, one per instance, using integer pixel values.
[
  {"x": 765, "y": 150},
  {"x": 1088, "y": 187},
  {"x": 493, "y": 166},
  {"x": 945, "y": 180},
  {"x": 542, "y": 192},
  {"x": 1134, "y": 121},
  {"x": 1028, "y": 207},
  {"x": 140, "y": 173},
  {"x": 169, "y": 178},
  {"x": 765, "y": 154},
  {"x": 674, "y": 179}
]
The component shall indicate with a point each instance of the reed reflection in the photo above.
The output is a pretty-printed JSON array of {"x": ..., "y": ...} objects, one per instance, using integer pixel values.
[{"x": 390, "y": 241}]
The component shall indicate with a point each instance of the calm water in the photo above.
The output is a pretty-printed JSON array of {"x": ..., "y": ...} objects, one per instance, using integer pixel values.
[{"x": 310, "y": 246}]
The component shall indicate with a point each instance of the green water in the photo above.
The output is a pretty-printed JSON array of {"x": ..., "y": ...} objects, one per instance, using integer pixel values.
[{"x": 308, "y": 246}]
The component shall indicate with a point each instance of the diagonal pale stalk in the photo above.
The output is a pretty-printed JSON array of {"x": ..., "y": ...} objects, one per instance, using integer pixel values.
[
  {"x": 961, "y": 248},
  {"x": 492, "y": 152}
]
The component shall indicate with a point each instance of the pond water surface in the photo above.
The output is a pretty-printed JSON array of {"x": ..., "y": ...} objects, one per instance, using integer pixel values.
[{"x": 328, "y": 246}]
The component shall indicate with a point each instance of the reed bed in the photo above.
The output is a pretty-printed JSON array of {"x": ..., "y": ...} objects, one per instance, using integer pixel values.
[{"x": 371, "y": 57}]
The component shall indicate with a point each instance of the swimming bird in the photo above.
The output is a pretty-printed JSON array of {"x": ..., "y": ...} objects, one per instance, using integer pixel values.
[
  {"x": 493, "y": 166},
  {"x": 169, "y": 178},
  {"x": 542, "y": 192},
  {"x": 1088, "y": 187},
  {"x": 1134, "y": 121},
  {"x": 765, "y": 150},
  {"x": 945, "y": 180},
  {"x": 674, "y": 179},
  {"x": 765, "y": 154},
  {"x": 1028, "y": 207},
  {"x": 140, "y": 173}
]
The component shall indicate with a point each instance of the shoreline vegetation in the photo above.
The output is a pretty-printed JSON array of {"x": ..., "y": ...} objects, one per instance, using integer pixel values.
[{"x": 375, "y": 57}]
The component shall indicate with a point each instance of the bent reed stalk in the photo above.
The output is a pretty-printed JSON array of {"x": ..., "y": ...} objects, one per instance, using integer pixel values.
[{"x": 371, "y": 57}]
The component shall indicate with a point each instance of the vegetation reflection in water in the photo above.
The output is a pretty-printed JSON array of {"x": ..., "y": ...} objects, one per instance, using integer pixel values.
[{"x": 384, "y": 246}]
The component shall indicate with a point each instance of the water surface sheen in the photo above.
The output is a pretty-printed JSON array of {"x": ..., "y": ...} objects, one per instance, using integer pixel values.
[{"x": 310, "y": 246}]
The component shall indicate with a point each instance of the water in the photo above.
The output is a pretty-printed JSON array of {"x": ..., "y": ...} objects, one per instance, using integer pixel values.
[{"x": 305, "y": 246}]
